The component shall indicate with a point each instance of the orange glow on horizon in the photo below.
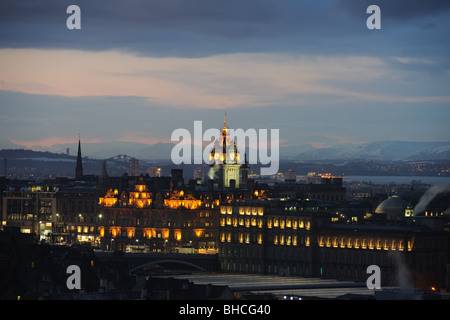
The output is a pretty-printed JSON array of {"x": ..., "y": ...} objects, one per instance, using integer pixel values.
[{"x": 51, "y": 141}]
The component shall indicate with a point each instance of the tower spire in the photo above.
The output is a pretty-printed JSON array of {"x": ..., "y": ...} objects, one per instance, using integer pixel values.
[{"x": 79, "y": 167}]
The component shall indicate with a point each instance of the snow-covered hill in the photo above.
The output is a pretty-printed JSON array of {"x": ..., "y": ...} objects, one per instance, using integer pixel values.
[{"x": 381, "y": 151}]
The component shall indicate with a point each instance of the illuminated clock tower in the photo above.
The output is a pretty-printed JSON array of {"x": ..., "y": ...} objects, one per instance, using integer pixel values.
[{"x": 226, "y": 160}]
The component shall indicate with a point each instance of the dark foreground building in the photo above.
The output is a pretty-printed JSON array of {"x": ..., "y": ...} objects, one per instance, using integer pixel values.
[{"x": 299, "y": 238}]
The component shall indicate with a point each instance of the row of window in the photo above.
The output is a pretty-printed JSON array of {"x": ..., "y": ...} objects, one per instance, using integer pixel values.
[
  {"x": 128, "y": 222},
  {"x": 243, "y": 210},
  {"x": 155, "y": 233},
  {"x": 77, "y": 229},
  {"x": 79, "y": 218},
  {"x": 281, "y": 223},
  {"x": 291, "y": 240},
  {"x": 293, "y": 223},
  {"x": 241, "y": 237},
  {"x": 243, "y": 222},
  {"x": 364, "y": 243},
  {"x": 82, "y": 229},
  {"x": 47, "y": 216},
  {"x": 18, "y": 216},
  {"x": 258, "y": 238}
]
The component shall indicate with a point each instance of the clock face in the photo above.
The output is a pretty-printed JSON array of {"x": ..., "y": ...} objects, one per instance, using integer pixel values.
[{"x": 232, "y": 156}]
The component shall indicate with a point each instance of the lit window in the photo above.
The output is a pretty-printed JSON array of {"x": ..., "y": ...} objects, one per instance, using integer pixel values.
[
  {"x": 288, "y": 223},
  {"x": 260, "y": 223},
  {"x": 335, "y": 242},
  {"x": 275, "y": 222},
  {"x": 378, "y": 244},
  {"x": 410, "y": 245},
  {"x": 260, "y": 238}
]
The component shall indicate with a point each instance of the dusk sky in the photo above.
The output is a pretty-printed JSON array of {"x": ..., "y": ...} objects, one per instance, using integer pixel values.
[{"x": 137, "y": 70}]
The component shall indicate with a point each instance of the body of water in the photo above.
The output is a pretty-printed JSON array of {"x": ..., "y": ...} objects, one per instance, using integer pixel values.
[{"x": 398, "y": 179}]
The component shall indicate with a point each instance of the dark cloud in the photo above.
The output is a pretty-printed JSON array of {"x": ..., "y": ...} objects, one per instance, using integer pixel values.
[
  {"x": 398, "y": 9},
  {"x": 135, "y": 13},
  {"x": 166, "y": 25},
  {"x": 206, "y": 27}
]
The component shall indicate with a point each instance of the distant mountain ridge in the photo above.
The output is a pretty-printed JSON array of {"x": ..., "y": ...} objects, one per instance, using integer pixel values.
[{"x": 380, "y": 151}]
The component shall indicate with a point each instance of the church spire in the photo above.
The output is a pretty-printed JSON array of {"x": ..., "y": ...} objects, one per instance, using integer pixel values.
[
  {"x": 224, "y": 129},
  {"x": 79, "y": 167}
]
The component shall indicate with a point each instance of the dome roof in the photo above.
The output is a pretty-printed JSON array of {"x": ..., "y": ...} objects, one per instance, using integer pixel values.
[{"x": 393, "y": 206}]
